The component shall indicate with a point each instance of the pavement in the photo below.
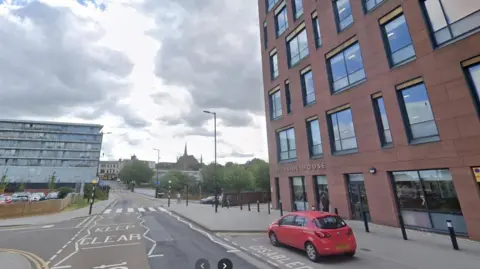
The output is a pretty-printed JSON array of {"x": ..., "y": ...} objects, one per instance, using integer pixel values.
[
  {"x": 135, "y": 232},
  {"x": 382, "y": 247}
]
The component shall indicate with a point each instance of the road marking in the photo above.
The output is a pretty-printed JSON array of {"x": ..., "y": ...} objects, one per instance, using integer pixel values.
[
  {"x": 235, "y": 243},
  {"x": 272, "y": 263},
  {"x": 37, "y": 261},
  {"x": 141, "y": 209},
  {"x": 244, "y": 248},
  {"x": 58, "y": 252},
  {"x": 155, "y": 256},
  {"x": 76, "y": 243},
  {"x": 82, "y": 222},
  {"x": 107, "y": 211},
  {"x": 111, "y": 265},
  {"x": 61, "y": 267},
  {"x": 53, "y": 257},
  {"x": 145, "y": 235},
  {"x": 130, "y": 210},
  {"x": 47, "y": 226},
  {"x": 109, "y": 246},
  {"x": 152, "y": 209},
  {"x": 226, "y": 239},
  {"x": 119, "y": 210},
  {"x": 233, "y": 250},
  {"x": 89, "y": 222}
]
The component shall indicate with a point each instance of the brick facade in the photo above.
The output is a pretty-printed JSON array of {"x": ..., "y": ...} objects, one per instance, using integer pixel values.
[{"x": 450, "y": 97}]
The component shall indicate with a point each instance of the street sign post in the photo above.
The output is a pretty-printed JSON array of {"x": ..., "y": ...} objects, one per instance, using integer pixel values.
[{"x": 94, "y": 182}]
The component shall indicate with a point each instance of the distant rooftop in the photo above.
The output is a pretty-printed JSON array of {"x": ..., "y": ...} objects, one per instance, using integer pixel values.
[{"x": 52, "y": 123}]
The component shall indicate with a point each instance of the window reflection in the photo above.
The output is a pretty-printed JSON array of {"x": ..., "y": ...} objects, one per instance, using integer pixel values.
[
  {"x": 308, "y": 88},
  {"x": 298, "y": 48},
  {"x": 344, "y": 13},
  {"x": 316, "y": 32},
  {"x": 343, "y": 131},
  {"x": 474, "y": 73},
  {"x": 452, "y": 18},
  {"x": 369, "y": 4},
  {"x": 299, "y": 194},
  {"x": 347, "y": 68},
  {"x": 298, "y": 8},
  {"x": 287, "y": 147},
  {"x": 322, "y": 189},
  {"x": 427, "y": 198},
  {"x": 275, "y": 105},
  {"x": 315, "y": 140},
  {"x": 274, "y": 66},
  {"x": 381, "y": 114},
  {"x": 281, "y": 21},
  {"x": 419, "y": 112},
  {"x": 399, "y": 40}
]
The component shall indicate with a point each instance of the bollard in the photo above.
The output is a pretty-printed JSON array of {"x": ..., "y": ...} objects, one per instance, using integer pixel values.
[
  {"x": 169, "y": 200},
  {"x": 241, "y": 207},
  {"x": 248, "y": 206},
  {"x": 258, "y": 206},
  {"x": 365, "y": 221},
  {"x": 336, "y": 211},
  {"x": 281, "y": 209},
  {"x": 268, "y": 204},
  {"x": 453, "y": 236},
  {"x": 402, "y": 227},
  {"x": 186, "y": 201}
]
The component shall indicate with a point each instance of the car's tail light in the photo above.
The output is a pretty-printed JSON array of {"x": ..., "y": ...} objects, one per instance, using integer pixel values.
[
  {"x": 322, "y": 234},
  {"x": 350, "y": 231}
]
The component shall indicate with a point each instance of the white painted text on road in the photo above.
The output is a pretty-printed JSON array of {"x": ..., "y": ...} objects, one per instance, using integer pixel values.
[
  {"x": 109, "y": 239},
  {"x": 113, "y": 228},
  {"x": 279, "y": 258}
]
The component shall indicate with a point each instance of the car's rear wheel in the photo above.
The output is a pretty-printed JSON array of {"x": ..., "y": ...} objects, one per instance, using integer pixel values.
[
  {"x": 312, "y": 252},
  {"x": 273, "y": 239}
]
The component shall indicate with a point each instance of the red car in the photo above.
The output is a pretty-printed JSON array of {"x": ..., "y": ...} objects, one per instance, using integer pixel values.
[
  {"x": 4, "y": 199},
  {"x": 318, "y": 233}
]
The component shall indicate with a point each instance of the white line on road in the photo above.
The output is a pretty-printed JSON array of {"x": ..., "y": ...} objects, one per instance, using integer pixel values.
[
  {"x": 233, "y": 250},
  {"x": 145, "y": 234},
  {"x": 141, "y": 209},
  {"x": 47, "y": 226},
  {"x": 226, "y": 239},
  {"x": 110, "y": 265},
  {"x": 272, "y": 263},
  {"x": 109, "y": 246},
  {"x": 235, "y": 243},
  {"x": 76, "y": 242},
  {"x": 53, "y": 257},
  {"x": 90, "y": 221},
  {"x": 82, "y": 222},
  {"x": 119, "y": 210},
  {"x": 155, "y": 256},
  {"x": 152, "y": 209},
  {"x": 61, "y": 267},
  {"x": 244, "y": 248},
  {"x": 107, "y": 211},
  {"x": 130, "y": 210}
]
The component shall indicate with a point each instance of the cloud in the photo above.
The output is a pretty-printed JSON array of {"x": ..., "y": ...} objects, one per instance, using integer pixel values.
[
  {"x": 51, "y": 65},
  {"x": 197, "y": 132},
  {"x": 211, "y": 49},
  {"x": 235, "y": 154}
]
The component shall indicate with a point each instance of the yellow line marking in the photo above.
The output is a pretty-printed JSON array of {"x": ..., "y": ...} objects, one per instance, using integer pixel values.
[{"x": 39, "y": 262}]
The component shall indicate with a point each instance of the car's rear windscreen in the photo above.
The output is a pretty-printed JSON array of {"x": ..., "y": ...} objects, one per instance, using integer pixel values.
[{"x": 330, "y": 222}]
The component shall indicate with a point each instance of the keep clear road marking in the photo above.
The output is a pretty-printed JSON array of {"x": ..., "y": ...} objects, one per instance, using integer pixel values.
[
  {"x": 141, "y": 209},
  {"x": 119, "y": 210},
  {"x": 130, "y": 210},
  {"x": 107, "y": 211},
  {"x": 276, "y": 258}
]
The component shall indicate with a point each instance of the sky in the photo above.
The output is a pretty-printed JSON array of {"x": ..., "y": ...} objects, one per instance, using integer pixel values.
[{"x": 145, "y": 69}]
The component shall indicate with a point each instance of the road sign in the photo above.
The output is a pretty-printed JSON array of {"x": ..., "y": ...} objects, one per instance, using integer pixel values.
[{"x": 157, "y": 182}]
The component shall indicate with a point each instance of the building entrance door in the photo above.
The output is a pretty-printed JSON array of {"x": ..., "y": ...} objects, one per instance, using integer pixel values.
[{"x": 358, "y": 197}]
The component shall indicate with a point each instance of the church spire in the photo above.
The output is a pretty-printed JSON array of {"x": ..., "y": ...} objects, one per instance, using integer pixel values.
[
  {"x": 201, "y": 158},
  {"x": 185, "y": 151}
]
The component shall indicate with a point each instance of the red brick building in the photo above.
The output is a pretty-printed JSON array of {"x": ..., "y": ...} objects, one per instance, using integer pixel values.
[{"x": 373, "y": 106}]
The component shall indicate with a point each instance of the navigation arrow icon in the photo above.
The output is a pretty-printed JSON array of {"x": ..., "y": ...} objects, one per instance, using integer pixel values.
[
  {"x": 225, "y": 264},
  {"x": 202, "y": 264}
]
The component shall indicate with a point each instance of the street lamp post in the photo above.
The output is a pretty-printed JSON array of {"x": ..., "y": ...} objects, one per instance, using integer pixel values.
[
  {"x": 169, "y": 191},
  {"x": 215, "y": 161},
  {"x": 158, "y": 161}
]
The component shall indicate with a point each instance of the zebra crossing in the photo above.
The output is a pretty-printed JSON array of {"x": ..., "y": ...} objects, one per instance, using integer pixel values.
[{"x": 131, "y": 210}]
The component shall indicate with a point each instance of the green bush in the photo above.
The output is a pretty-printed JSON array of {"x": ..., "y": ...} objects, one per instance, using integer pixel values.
[{"x": 64, "y": 191}]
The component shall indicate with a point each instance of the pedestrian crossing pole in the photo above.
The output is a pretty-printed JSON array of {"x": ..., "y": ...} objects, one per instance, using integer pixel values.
[
  {"x": 169, "y": 191},
  {"x": 94, "y": 182}
]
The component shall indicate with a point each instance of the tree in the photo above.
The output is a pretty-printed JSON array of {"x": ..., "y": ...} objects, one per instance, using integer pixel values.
[
  {"x": 137, "y": 172},
  {"x": 237, "y": 178},
  {"x": 208, "y": 176},
  {"x": 178, "y": 181},
  {"x": 3, "y": 183},
  {"x": 261, "y": 173}
]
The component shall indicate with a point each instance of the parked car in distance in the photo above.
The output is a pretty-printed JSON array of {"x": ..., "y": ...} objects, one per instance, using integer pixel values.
[
  {"x": 5, "y": 199},
  {"x": 208, "y": 200},
  {"x": 52, "y": 195},
  {"x": 317, "y": 233},
  {"x": 38, "y": 196},
  {"x": 21, "y": 197}
]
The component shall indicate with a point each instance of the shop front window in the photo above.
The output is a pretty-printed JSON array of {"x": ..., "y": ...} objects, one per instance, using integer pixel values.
[
  {"x": 299, "y": 194},
  {"x": 323, "y": 200},
  {"x": 428, "y": 199}
]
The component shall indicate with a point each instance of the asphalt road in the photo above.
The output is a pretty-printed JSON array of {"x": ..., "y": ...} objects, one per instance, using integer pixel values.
[{"x": 134, "y": 233}]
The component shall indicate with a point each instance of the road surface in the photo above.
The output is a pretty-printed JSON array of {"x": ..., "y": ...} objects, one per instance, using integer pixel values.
[{"x": 134, "y": 233}]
